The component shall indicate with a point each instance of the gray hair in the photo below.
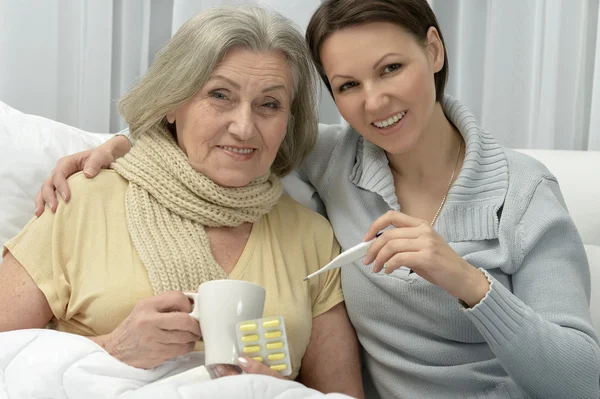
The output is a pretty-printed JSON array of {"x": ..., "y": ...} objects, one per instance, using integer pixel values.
[{"x": 187, "y": 61}]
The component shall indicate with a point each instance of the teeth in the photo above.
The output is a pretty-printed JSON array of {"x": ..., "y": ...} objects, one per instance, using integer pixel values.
[
  {"x": 390, "y": 121},
  {"x": 238, "y": 150}
]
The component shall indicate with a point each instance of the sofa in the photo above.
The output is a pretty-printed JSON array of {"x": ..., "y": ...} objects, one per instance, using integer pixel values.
[{"x": 30, "y": 146}]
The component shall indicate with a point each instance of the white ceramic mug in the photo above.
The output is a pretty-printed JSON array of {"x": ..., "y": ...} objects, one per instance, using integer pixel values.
[{"x": 218, "y": 306}]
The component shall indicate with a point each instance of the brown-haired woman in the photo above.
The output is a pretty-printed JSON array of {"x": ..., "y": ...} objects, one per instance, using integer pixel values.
[{"x": 479, "y": 285}]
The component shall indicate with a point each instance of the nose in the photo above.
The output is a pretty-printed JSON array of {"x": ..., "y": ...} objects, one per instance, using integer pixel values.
[
  {"x": 243, "y": 126},
  {"x": 375, "y": 98}
]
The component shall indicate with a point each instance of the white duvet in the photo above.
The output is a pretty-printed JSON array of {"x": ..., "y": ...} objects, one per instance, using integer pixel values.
[{"x": 50, "y": 364}]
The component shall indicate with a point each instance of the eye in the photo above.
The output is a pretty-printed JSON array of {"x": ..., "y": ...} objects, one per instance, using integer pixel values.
[
  {"x": 219, "y": 95},
  {"x": 392, "y": 68},
  {"x": 274, "y": 105},
  {"x": 347, "y": 85}
]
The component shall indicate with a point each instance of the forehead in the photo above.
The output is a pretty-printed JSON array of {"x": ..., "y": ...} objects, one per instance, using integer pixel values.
[
  {"x": 366, "y": 40},
  {"x": 255, "y": 67}
]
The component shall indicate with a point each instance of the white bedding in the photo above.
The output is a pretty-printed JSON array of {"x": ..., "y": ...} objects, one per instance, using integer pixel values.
[{"x": 50, "y": 364}]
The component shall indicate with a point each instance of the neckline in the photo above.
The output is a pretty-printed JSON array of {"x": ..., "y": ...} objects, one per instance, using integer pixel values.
[{"x": 246, "y": 255}]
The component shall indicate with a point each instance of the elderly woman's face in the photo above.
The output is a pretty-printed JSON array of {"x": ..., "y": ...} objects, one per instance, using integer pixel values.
[{"x": 232, "y": 128}]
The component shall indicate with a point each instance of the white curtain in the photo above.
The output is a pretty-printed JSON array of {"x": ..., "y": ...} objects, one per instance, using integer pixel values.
[
  {"x": 529, "y": 70},
  {"x": 70, "y": 60}
]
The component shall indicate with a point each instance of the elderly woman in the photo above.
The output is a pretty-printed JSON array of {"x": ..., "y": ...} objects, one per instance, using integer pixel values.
[{"x": 227, "y": 108}]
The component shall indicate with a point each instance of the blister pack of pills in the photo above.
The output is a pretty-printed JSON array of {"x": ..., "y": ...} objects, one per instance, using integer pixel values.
[{"x": 265, "y": 340}]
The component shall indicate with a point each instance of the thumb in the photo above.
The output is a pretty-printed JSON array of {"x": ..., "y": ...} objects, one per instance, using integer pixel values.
[
  {"x": 95, "y": 162},
  {"x": 251, "y": 366}
]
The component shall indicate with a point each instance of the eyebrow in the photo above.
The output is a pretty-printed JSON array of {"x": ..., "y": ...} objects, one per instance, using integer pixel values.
[
  {"x": 383, "y": 58},
  {"x": 238, "y": 87},
  {"x": 275, "y": 87},
  {"x": 231, "y": 82},
  {"x": 374, "y": 67}
]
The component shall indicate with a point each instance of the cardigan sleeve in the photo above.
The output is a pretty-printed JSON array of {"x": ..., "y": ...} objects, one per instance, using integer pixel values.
[{"x": 542, "y": 331}]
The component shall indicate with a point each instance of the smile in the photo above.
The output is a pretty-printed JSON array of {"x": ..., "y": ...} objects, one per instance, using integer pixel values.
[
  {"x": 391, "y": 121},
  {"x": 237, "y": 150}
]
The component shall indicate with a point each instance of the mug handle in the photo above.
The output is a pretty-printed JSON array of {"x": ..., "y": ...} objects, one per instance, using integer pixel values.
[{"x": 194, "y": 297}]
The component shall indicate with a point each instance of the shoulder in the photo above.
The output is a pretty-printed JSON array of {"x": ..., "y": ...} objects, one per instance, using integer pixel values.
[
  {"x": 107, "y": 179},
  {"x": 107, "y": 187},
  {"x": 330, "y": 133},
  {"x": 526, "y": 175},
  {"x": 291, "y": 222},
  {"x": 332, "y": 138},
  {"x": 519, "y": 162},
  {"x": 533, "y": 191},
  {"x": 336, "y": 145},
  {"x": 288, "y": 212}
]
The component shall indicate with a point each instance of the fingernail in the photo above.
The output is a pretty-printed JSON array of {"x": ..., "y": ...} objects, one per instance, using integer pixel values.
[
  {"x": 37, "y": 210},
  {"x": 243, "y": 362},
  {"x": 87, "y": 172},
  {"x": 63, "y": 195}
]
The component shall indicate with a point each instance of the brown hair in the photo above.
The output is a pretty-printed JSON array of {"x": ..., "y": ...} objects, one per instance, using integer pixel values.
[{"x": 415, "y": 16}]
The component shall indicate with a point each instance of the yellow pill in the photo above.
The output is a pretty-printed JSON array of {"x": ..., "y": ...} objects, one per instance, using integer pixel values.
[
  {"x": 258, "y": 358},
  {"x": 271, "y": 323},
  {"x": 275, "y": 345},
  {"x": 248, "y": 327},
  {"x": 250, "y": 338},
  {"x": 277, "y": 356},
  {"x": 273, "y": 334},
  {"x": 251, "y": 349},
  {"x": 279, "y": 367}
]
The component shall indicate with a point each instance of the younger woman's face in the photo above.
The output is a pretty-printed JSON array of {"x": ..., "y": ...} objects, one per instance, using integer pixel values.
[{"x": 383, "y": 81}]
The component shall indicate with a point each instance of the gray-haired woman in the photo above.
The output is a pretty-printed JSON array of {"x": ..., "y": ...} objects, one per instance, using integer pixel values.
[{"x": 227, "y": 107}]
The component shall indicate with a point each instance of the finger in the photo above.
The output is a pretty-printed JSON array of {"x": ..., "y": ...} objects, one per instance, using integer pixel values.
[
  {"x": 176, "y": 337},
  {"x": 49, "y": 195},
  {"x": 95, "y": 162},
  {"x": 387, "y": 236},
  {"x": 39, "y": 204},
  {"x": 59, "y": 180},
  {"x": 172, "y": 301},
  {"x": 174, "y": 350},
  {"x": 392, "y": 218},
  {"x": 226, "y": 370},
  {"x": 393, "y": 248},
  {"x": 408, "y": 259},
  {"x": 252, "y": 366},
  {"x": 179, "y": 321}
]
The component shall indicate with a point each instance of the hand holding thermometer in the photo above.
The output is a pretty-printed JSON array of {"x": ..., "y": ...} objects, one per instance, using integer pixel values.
[{"x": 346, "y": 257}]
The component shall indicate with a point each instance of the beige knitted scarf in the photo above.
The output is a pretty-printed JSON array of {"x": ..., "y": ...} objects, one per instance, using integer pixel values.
[{"x": 168, "y": 203}]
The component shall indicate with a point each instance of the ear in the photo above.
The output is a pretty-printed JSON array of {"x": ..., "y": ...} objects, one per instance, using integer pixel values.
[
  {"x": 435, "y": 49},
  {"x": 171, "y": 117}
]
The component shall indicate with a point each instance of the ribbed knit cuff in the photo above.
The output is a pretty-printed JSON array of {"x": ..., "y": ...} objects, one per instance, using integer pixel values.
[{"x": 499, "y": 315}]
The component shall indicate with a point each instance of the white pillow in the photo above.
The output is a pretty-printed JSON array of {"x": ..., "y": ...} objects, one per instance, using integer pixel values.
[{"x": 29, "y": 148}]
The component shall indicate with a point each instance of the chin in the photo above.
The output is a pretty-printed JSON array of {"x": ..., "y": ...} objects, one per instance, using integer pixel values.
[
  {"x": 232, "y": 181},
  {"x": 397, "y": 144}
]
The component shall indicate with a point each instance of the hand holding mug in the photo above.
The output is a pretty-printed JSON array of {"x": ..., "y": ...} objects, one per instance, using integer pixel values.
[{"x": 158, "y": 329}]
